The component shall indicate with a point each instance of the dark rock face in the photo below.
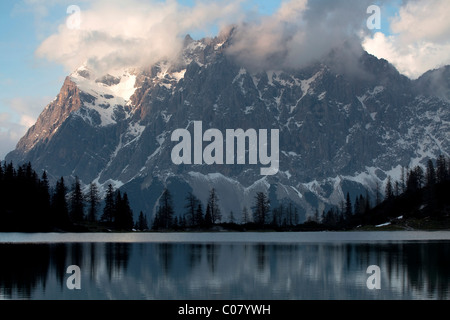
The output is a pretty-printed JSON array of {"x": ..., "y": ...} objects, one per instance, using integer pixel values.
[{"x": 343, "y": 127}]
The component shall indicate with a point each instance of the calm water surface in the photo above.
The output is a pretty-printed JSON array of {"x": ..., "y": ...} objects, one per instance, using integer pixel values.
[{"x": 323, "y": 265}]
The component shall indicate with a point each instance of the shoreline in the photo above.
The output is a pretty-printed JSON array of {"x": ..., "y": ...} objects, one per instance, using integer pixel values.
[{"x": 226, "y": 237}]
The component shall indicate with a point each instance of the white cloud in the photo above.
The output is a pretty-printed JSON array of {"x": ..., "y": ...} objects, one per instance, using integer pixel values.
[
  {"x": 118, "y": 34},
  {"x": 423, "y": 20},
  {"x": 300, "y": 32},
  {"x": 420, "y": 39}
]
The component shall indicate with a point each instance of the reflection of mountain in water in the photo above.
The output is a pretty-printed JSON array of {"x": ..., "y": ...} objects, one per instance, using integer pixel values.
[{"x": 409, "y": 270}]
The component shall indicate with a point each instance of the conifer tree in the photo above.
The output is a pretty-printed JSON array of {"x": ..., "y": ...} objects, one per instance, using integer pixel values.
[
  {"x": 377, "y": 194},
  {"x": 348, "y": 207},
  {"x": 430, "y": 174},
  {"x": 316, "y": 215},
  {"x": 199, "y": 215},
  {"x": 213, "y": 202},
  {"x": 142, "y": 224},
  {"x": 261, "y": 208},
  {"x": 412, "y": 183},
  {"x": 60, "y": 211},
  {"x": 232, "y": 218},
  {"x": 123, "y": 213},
  {"x": 156, "y": 220},
  {"x": 118, "y": 214},
  {"x": 45, "y": 187},
  {"x": 441, "y": 169},
  {"x": 128, "y": 213},
  {"x": 368, "y": 204},
  {"x": 43, "y": 209},
  {"x": 208, "y": 217},
  {"x": 290, "y": 219},
  {"x": 402, "y": 183},
  {"x": 357, "y": 206},
  {"x": 275, "y": 216},
  {"x": 93, "y": 199},
  {"x": 165, "y": 212},
  {"x": 77, "y": 202},
  {"x": 175, "y": 223},
  {"x": 245, "y": 216},
  {"x": 182, "y": 222},
  {"x": 108, "y": 209},
  {"x": 362, "y": 204},
  {"x": 191, "y": 209},
  {"x": 418, "y": 171},
  {"x": 396, "y": 188},
  {"x": 296, "y": 217},
  {"x": 389, "y": 190}
]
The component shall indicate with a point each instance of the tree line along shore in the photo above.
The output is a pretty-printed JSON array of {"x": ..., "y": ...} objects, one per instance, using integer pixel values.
[{"x": 418, "y": 200}]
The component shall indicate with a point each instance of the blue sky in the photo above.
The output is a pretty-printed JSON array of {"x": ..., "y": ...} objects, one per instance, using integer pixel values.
[
  {"x": 17, "y": 47},
  {"x": 28, "y": 83}
]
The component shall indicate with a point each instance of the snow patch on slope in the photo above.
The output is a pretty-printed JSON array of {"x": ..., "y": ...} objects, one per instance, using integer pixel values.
[
  {"x": 306, "y": 87},
  {"x": 105, "y": 98}
]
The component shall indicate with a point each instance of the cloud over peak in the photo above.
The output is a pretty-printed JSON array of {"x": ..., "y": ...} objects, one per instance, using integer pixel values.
[
  {"x": 117, "y": 34},
  {"x": 420, "y": 38}
]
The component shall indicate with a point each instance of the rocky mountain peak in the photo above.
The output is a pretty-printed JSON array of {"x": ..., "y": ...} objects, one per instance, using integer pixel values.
[
  {"x": 345, "y": 124},
  {"x": 435, "y": 83}
]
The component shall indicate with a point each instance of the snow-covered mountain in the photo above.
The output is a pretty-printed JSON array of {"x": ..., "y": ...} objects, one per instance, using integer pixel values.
[{"x": 345, "y": 123}]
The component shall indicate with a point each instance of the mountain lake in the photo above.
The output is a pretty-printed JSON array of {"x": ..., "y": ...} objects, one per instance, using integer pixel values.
[{"x": 409, "y": 265}]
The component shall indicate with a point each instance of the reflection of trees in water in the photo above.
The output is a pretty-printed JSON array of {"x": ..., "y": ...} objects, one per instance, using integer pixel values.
[
  {"x": 75, "y": 254},
  {"x": 194, "y": 252},
  {"x": 261, "y": 257},
  {"x": 22, "y": 268},
  {"x": 63, "y": 255},
  {"x": 92, "y": 260},
  {"x": 428, "y": 266},
  {"x": 423, "y": 266},
  {"x": 58, "y": 256},
  {"x": 406, "y": 268},
  {"x": 165, "y": 254},
  {"x": 117, "y": 256},
  {"x": 212, "y": 255}
]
